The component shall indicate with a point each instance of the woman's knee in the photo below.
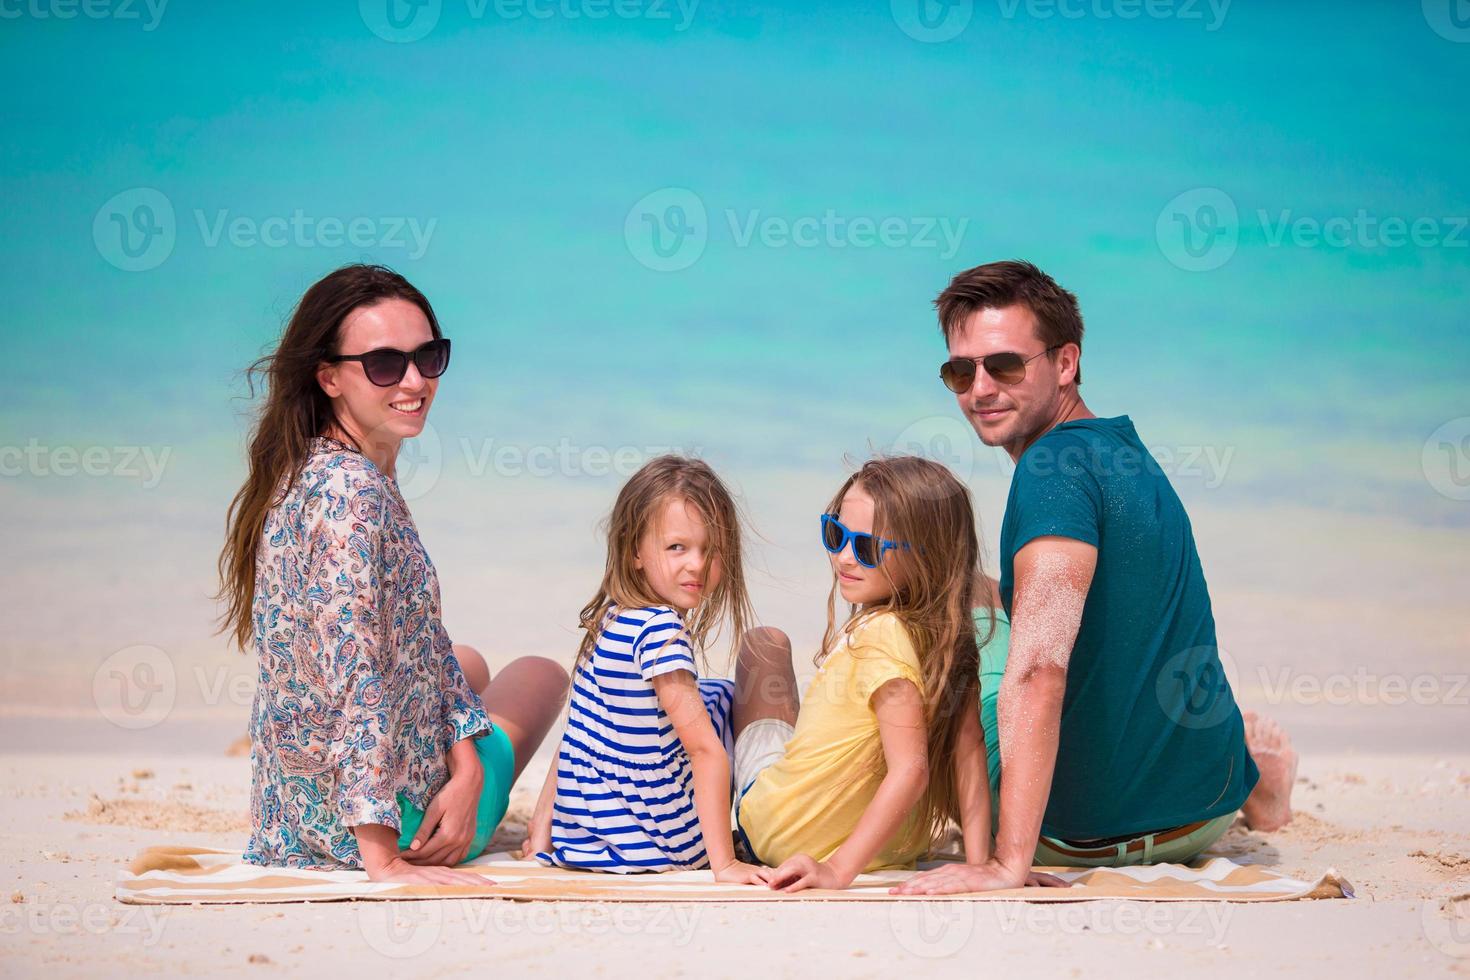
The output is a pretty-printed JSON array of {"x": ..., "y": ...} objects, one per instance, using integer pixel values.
[
  {"x": 540, "y": 673},
  {"x": 472, "y": 665}
]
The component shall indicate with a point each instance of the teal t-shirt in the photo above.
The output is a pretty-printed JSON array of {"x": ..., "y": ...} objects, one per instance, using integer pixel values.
[{"x": 1151, "y": 736}]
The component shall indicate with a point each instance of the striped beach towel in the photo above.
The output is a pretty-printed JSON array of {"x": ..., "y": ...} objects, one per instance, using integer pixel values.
[{"x": 188, "y": 875}]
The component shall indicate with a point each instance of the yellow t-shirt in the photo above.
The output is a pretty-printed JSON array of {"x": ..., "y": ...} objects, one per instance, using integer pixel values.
[{"x": 809, "y": 801}]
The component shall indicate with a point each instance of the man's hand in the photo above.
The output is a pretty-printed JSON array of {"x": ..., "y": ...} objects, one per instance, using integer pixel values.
[
  {"x": 954, "y": 879},
  {"x": 802, "y": 871}
]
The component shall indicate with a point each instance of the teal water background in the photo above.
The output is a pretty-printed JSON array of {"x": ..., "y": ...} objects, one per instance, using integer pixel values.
[{"x": 648, "y": 226}]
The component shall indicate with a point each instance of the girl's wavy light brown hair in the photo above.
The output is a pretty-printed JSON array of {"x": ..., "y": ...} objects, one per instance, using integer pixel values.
[
  {"x": 639, "y": 503},
  {"x": 295, "y": 411},
  {"x": 918, "y": 501}
]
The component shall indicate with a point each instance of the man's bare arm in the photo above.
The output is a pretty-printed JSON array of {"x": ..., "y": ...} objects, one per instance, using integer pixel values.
[{"x": 1052, "y": 577}]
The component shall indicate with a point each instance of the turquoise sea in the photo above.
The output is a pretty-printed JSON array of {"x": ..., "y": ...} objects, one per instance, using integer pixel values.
[{"x": 720, "y": 227}]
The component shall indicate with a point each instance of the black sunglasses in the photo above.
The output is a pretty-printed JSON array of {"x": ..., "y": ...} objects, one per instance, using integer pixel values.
[
  {"x": 386, "y": 366},
  {"x": 1006, "y": 367}
]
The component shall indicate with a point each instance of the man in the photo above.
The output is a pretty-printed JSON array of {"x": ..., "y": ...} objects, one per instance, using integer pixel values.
[{"x": 1120, "y": 740}]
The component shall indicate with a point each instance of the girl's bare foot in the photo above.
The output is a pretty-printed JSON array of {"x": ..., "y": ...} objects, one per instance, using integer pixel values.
[{"x": 1269, "y": 806}]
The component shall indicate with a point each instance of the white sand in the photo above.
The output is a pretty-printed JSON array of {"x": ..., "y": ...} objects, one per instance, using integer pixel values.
[{"x": 1398, "y": 827}]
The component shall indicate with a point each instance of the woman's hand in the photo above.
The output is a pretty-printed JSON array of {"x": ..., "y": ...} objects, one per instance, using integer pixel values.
[
  {"x": 448, "y": 829},
  {"x": 378, "y": 846},
  {"x": 802, "y": 871},
  {"x": 740, "y": 873},
  {"x": 400, "y": 871}
]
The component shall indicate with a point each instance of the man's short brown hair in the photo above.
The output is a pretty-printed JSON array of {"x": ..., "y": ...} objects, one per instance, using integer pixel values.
[{"x": 998, "y": 284}]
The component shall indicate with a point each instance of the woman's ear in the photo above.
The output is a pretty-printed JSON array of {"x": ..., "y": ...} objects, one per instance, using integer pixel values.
[{"x": 326, "y": 376}]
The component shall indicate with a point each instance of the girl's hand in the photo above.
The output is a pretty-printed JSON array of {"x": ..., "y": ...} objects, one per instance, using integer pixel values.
[
  {"x": 740, "y": 873},
  {"x": 400, "y": 871},
  {"x": 448, "y": 829},
  {"x": 537, "y": 842},
  {"x": 802, "y": 872}
]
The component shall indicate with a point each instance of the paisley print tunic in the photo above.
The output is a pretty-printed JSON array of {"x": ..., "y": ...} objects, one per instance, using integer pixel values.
[{"x": 359, "y": 696}]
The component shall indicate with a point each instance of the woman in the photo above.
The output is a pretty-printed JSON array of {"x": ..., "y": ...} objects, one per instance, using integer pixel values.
[{"x": 375, "y": 742}]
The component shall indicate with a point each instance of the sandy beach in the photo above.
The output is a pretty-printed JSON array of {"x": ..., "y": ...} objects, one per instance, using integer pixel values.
[{"x": 1397, "y": 826}]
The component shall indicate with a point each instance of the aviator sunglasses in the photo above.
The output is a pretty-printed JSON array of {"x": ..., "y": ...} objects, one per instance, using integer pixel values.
[
  {"x": 385, "y": 367},
  {"x": 1006, "y": 367},
  {"x": 867, "y": 549}
]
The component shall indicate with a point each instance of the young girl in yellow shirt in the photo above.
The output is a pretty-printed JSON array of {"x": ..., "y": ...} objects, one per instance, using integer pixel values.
[{"x": 886, "y": 746}]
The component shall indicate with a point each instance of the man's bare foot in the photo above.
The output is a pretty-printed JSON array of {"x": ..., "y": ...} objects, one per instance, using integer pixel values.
[{"x": 1269, "y": 806}]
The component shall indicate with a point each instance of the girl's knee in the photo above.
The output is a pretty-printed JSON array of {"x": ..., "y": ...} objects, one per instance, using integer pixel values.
[{"x": 765, "y": 646}]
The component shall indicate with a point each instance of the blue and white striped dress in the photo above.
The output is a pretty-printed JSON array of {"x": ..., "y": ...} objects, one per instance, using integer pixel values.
[{"x": 625, "y": 785}]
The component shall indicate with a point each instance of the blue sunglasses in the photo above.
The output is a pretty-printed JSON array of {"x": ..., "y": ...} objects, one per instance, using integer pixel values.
[{"x": 867, "y": 549}]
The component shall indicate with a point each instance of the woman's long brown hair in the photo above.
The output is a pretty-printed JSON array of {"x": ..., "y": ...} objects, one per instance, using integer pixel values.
[
  {"x": 295, "y": 411},
  {"x": 920, "y": 502},
  {"x": 623, "y": 586}
]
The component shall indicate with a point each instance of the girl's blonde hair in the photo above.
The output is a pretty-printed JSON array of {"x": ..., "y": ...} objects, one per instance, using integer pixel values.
[
  {"x": 638, "y": 506},
  {"x": 920, "y": 502}
]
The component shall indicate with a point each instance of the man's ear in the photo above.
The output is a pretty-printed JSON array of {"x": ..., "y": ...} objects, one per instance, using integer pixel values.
[
  {"x": 326, "y": 376},
  {"x": 1069, "y": 362}
]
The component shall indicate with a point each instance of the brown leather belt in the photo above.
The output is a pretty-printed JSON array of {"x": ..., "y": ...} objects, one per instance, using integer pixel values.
[{"x": 1134, "y": 845}]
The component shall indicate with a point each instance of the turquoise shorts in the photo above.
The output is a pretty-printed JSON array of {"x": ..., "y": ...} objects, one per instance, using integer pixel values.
[{"x": 498, "y": 759}]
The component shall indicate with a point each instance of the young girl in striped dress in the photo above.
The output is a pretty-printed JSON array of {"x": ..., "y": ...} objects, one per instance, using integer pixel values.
[{"x": 641, "y": 781}]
